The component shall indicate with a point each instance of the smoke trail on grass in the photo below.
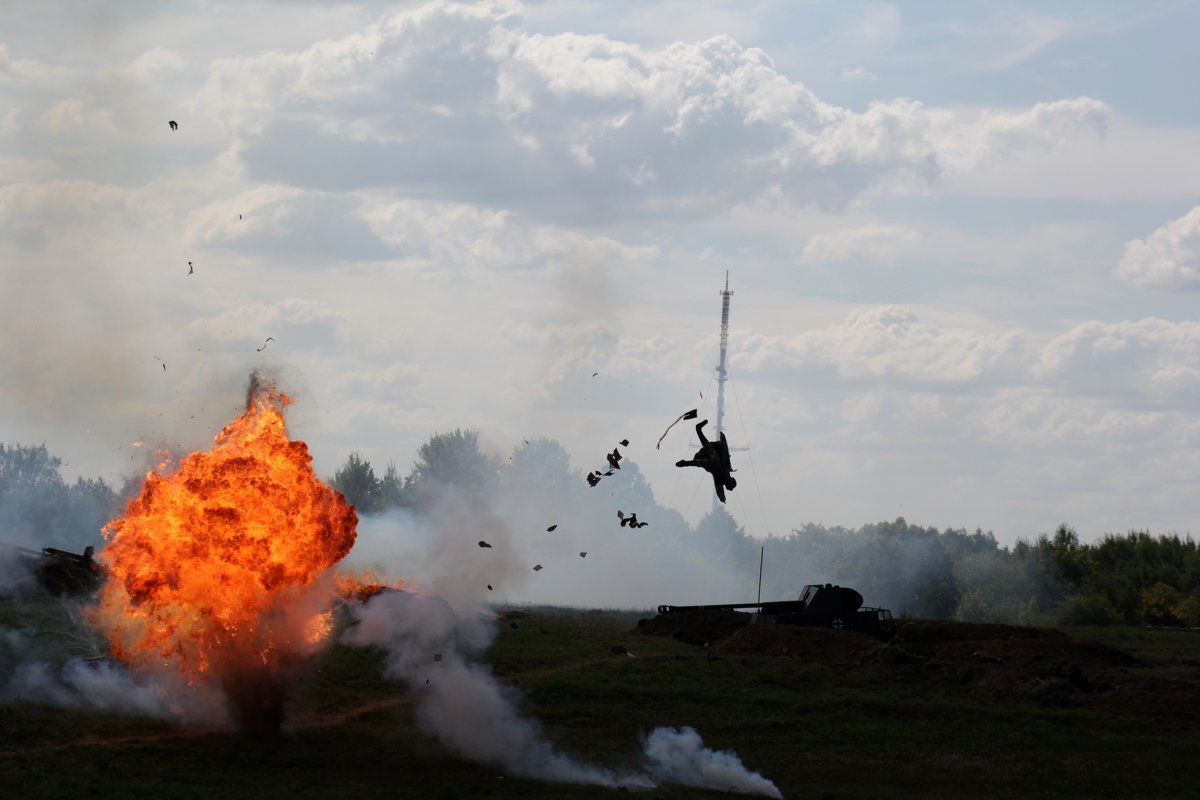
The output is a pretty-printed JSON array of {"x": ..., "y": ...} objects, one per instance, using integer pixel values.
[
  {"x": 60, "y": 662},
  {"x": 679, "y": 756},
  {"x": 468, "y": 710},
  {"x": 460, "y": 702}
]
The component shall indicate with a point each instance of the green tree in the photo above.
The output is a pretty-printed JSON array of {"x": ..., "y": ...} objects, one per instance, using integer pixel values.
[
  {"x": 450, "y": 460},
  {"x": 392, "y": 493},
  {"x": 356, "y": 480}
]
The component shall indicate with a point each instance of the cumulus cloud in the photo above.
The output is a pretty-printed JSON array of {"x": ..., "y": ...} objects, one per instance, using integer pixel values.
[
  {"x": 885, "y": 342},
  {"x": 867, "y": 243},
  {"x": 1167, "y": 260},
  {"x": 1149, "y": 358},
  {"x": 574, "y": 127}
]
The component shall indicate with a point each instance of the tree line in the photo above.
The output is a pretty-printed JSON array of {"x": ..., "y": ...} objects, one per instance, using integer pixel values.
[{"x": 1132, "y": 578}]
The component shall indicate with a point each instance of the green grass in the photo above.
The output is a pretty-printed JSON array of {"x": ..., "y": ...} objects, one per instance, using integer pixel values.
[{"x": 815, "y": 731}]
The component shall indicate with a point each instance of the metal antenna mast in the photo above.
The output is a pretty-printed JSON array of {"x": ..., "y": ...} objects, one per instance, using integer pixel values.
[{"x": 722, "y": 373}]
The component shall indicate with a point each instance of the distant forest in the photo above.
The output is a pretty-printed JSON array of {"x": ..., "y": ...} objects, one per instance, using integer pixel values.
[{"x": 1134, "y": 578}]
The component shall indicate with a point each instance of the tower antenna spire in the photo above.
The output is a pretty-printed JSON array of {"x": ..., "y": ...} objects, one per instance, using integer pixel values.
[{"x": 722, "y": 372}]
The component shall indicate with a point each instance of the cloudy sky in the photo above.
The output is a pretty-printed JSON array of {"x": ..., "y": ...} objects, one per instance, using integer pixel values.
[{"x": 964, "y": 241}]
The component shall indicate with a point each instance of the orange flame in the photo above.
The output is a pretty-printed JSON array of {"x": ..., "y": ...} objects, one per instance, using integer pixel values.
[{"x": 219, "y": 566}]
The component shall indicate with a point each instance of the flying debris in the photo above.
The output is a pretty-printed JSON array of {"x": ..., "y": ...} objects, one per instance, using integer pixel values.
[
  {"x": 631, "y": 520},
  {"x": 614, "y": 459},
  {"x": 164, "y": 367},
  {"x": 489, "y": 587},
  {"x": 594, "y": 374},
  {"x": 552, "y": 527},
  {"x": 174, "y": 125},
  {"x": 482, "y": 543},
  {"x": 583, "y": 553},
  {"x": 239, "y": 216},
  {"x": 537, "y": 567},
  {"x": 593, "y": 478},
  {"x": 191, "y": 269},
  {"x": 264, "y": 345},
  {"x": 713, "y": 458},
  {"x": 624, "y": 443},
  {"x": 686, "y": 415},
  {"x": 610, "y": 472}
]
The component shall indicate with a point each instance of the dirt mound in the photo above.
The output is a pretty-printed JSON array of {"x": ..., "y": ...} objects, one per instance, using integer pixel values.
[
  {"x": 1007, "y": 663},
  {"x": 696, "y": 627},
  {"x": 819, "y": 645}
]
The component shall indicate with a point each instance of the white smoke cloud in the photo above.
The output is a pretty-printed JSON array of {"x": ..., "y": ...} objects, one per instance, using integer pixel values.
[
  {"x": 51, "y": 672},
  {"x": 470, "y": 712},
  {"x": 679, "y": 756}
]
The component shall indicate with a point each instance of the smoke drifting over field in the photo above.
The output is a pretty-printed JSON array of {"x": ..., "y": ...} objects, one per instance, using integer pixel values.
[
  {"x": 432, "y": 638},
  {"x": 469, "y": 711}
]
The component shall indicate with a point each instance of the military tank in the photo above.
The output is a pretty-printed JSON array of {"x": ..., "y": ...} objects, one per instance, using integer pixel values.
[{"x": 819, "y": 606}]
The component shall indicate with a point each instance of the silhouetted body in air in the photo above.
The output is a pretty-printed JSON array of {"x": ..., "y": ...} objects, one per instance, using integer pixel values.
[{"x": 713, "y": 458}]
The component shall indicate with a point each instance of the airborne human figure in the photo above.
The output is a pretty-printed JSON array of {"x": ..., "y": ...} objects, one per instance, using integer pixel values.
[{"x": 713, "y": 458}]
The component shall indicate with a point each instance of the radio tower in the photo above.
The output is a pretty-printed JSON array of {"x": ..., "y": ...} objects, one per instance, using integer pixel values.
[{"x": 722, "y": 374}]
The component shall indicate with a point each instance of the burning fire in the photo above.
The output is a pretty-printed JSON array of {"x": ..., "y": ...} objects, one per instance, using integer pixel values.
[{"x": 220, "y": 567}]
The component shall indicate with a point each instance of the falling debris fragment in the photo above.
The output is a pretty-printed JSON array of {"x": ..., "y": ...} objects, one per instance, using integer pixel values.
[
  {"x": 264, "y": 345},
  {"x": 239, "y": 216},
  {"x": 594, "y": 374},
  {"x": 624, "y": 443},
  {"x": 191, "y": 269},
  {"x": 593, "y": 478},
  {"x": 583, "y": 553},
  {"x": 686, "y": 415},
  {"x": 631, "y": 520},
  {"x": 489, "y": 587},
  {"x": 610, "y": 472},
  {"x": 174, "y": 125},
  {"x": 537, "y": 567},
  {"x": 482, "y": 543},
  {"x": 614, "y": 459},
  {"x": 552, "y": 527}
]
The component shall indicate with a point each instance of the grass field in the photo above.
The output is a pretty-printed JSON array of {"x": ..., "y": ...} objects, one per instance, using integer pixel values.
[{"x": 815, "y": 731}]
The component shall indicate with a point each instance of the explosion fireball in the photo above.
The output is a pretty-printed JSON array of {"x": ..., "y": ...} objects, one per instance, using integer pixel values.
[{"x": 220, "y": 569}]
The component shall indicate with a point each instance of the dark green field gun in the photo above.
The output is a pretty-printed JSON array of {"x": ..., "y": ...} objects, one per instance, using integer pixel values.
[
  {"x": 827, "y": 606},
  {"x": 60, "y": 572}
]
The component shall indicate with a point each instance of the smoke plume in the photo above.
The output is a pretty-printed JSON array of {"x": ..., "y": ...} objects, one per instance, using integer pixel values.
[{"x": 470, "y": 712}]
